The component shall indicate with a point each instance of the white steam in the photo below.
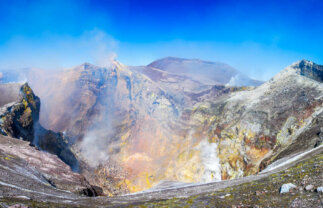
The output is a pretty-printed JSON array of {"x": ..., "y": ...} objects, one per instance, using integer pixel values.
[
  {"x": 211, "y": 161},
  {"x": 104, "y": 51},
  {"x": 98, "y": 143},
  {"x": 94, "y": 149}
]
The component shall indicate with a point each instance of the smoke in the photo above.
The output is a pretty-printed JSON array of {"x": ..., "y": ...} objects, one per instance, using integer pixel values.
[
  {"x": 68, "y": 104},
  {"x": 49, "y": 59},
  {"x": 105, "y": 46},
  {"x": 81, "y": 102},
  {"x": 211, "y": 161},
  {"x": 94, "y": 146},
  {"x": 98, "y": 143}
]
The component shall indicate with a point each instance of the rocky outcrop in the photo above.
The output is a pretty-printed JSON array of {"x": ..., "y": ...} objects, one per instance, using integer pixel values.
[
  {"x": 19, "y": 118},
  {"x": 310, "y": 70},
  {"x": 19, "y": 111}
]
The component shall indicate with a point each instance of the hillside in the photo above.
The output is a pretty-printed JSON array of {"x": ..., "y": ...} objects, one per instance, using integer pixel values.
[{"x": 261, "y": 190}]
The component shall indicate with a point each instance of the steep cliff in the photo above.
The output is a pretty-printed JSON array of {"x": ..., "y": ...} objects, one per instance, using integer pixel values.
[
  {"x": 19, "y": 111},
  {"x": 19, "y": 118}
]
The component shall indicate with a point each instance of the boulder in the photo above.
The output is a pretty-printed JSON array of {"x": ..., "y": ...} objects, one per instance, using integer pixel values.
[
  {"x": 286, "y": 188},
  {"x": 309, "y": 187}
]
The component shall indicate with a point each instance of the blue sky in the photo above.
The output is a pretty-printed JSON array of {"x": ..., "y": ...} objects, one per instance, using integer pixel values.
[{"x": 258, "y": 38}]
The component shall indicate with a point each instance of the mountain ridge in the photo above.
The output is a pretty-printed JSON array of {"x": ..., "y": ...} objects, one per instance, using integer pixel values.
[{"x": 207, "y": 72}]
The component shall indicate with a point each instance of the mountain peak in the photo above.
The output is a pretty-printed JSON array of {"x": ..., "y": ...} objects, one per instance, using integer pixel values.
[
  {"x": 87, "y": 65},
  {"x": 302, "y": 63},
  {"x": 309, "y": 69}
]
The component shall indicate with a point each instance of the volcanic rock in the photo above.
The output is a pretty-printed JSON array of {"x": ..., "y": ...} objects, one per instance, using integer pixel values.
[
  {"x": 309, "y": 187},
  {"x": 286, "y": 188}
]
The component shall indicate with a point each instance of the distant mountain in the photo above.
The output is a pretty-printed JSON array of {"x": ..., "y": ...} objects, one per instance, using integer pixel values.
[{"x": 206, "y": 72}]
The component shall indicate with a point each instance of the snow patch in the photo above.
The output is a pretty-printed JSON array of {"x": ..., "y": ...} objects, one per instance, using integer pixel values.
[{"x": 283, "y": 162}]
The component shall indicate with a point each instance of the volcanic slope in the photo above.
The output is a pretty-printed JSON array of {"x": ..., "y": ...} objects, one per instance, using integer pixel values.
[
  {"x": 130, "y": 132},
  {"x": 258, "y": 190}
]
